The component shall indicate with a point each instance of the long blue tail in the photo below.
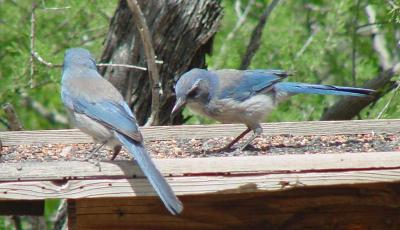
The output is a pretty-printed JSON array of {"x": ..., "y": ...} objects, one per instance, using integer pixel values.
[
  {"x": 171, "y": 202},
  {"x": 294, "y": 88}
]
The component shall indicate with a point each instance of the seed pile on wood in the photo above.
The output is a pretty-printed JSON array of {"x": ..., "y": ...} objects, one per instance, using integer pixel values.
[{"x": 179, "y": 148}]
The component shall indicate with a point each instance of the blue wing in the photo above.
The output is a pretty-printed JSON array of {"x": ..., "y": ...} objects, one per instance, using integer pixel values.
[
  {"x": 251, "y": 82},
  {"x": 116, "y": 116}
]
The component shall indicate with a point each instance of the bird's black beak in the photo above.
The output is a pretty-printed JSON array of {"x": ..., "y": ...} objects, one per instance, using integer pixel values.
[{"x": 180, "y": 102}]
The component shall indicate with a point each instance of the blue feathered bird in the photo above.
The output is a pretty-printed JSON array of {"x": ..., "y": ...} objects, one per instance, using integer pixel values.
[
  {"x": 244, "y": 96},
  {"x": 98, "y": 109}
]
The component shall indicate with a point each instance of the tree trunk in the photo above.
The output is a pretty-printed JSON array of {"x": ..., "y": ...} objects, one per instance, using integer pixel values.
[{"x": 182, "y": 33}]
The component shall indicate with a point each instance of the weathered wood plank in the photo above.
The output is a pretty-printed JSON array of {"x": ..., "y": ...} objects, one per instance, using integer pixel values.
[
  {"x": 372, "y": 206},
  {"x": 189, "y": 185},
  {"x": 66, "y": 170},
  {"x": 210, "y": 131}
]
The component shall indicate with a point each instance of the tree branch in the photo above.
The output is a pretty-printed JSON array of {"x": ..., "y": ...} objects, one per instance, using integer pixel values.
[
  {"x": 378, "y": 39},
  {"x": 122, "y": 65},
  {"x": 389, "y": 101},
  {"x": 44, "y": 62},
  {"x": 60, "y": 220},
  {"x": 51, "y": 65},
  {"x": 14, "y": 125},
  {"x": 17, "y": 222},
  {"x": 254, "y": 42},
  {"x": 12, "y": 117},
  {"x": 36, "y": 56},
  {"x": 154, "y": 77},
  {"x": 4, "y": 122},
  {"x": 44, "y": 7},
  {"x": 52, "y": 116},
  {"x": 237, "y": 8},
  {"x": 314, "y": 30},
  {"x": 241, "y": 19},
  {"x": 354, "y": 46},
  {"x": 348, "y": 107},
  {"x": 37, "y": 222},
  {"x": 32, "y": 45}
]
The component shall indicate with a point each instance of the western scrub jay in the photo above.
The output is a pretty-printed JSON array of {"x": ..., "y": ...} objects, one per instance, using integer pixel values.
[
  {"x": 98, "y": 109},
  {"x": 236, "y": 96}
]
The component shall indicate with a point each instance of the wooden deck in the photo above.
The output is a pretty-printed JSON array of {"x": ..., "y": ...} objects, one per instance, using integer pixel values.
[{"x": 346, "y": 190}]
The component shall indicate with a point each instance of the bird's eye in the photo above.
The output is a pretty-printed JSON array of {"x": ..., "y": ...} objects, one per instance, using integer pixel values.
[{"x": 192, "y": 93}]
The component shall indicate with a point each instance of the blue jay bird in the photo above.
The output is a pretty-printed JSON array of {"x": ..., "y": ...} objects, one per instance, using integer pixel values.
[
  {"x": 98, "y": 109},
  {"x": 235, "y": 96}
]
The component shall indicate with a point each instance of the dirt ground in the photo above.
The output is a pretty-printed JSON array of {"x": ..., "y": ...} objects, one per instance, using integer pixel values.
[{"x": 264, "y": 145}]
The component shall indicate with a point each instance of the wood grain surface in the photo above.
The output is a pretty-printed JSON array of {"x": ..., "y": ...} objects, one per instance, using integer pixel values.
[
  {"x": 43, "y": 180},
  {"x": 350, "y": 207},
  {"x": 71, "y": 136}
]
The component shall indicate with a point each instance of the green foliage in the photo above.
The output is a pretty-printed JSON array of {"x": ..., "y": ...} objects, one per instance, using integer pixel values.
[
  {"x": 75, "y": 23},
  {"x": 394, "y": 11},
  {"x": 50, "y": 211},
  {"x": 330, "y": 26}
]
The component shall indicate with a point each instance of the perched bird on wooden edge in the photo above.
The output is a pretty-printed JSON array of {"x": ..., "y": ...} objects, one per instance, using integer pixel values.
[
  {"x": 98, "y": 109},
  {"x": 244, "y": 96}
]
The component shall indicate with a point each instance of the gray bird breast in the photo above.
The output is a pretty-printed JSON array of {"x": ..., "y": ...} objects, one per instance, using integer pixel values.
[
  {"x": 100, "y": 133},
  {"x": 250, "y": 112}
]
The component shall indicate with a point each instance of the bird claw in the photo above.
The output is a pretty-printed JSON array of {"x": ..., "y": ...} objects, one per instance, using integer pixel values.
[
  {"x": 223, "y": 149},
  {"x": 248, "y": 147}
]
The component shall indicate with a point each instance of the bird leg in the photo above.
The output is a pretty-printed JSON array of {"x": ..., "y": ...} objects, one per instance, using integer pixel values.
[
  {"x": 117, "y": 149},
  {"x": 94, "y": 151},
  {"x": 257, "y": 132},
  {"x": 228, "y": 146}
]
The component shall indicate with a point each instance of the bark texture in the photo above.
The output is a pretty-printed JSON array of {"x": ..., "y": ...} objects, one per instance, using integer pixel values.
[{"x": 182, "y": 33}]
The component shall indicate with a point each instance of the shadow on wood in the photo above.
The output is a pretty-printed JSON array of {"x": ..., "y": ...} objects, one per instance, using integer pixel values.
[{"x": 22, "y": 207}]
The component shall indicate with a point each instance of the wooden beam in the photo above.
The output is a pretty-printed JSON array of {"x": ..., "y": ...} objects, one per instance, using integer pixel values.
[
  {"x": 372, "y": 206},
  {"x": 190, "y": 185},
  {"x": 196, "y": 175},
  {"x": 72, "y": 136},
  {"x": 228, "y": 166}
]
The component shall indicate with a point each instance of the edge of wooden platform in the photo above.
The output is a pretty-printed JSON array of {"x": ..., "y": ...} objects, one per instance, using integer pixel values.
[{"x": 70, "y": 136}]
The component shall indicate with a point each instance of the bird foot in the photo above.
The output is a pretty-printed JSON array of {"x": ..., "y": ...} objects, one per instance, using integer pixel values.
[
  {"x": 113, "y": 156},
  {"x": 116, "y": 151},
  {"x": 223, "y": 149},
  {"x": 89, "y": 158},
  {"x": 229, "y": 149},
  {"x": 248, "y": 147}
]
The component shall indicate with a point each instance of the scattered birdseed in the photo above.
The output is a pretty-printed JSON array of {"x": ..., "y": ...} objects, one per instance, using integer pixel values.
[{"x": 181, "y": 148}]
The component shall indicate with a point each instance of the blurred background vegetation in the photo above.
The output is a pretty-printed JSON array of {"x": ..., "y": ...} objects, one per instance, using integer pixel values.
[
  {"x": 314, "y": 38},
  {"x": 323, "y": 41}
]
